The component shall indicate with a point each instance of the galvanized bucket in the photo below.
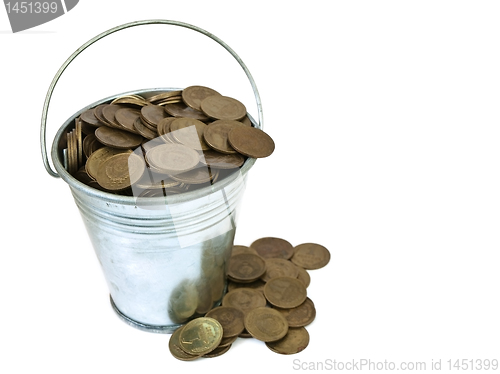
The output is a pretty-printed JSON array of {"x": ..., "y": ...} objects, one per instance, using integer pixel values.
[{"x": 163, "y": 266}]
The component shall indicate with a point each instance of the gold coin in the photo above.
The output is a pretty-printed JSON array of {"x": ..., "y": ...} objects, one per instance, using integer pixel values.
[
  {"x": 270, "y": 247},
  {"x": 130, "y": 100},
  {"x": 195, "y": 176},
  {"x": 152, "y": 114},
  {"x": 189, "y": 131},
  {"x": 251, "y": 142},
  {"x": 143, "y": 130},
  {"x": 120, "y": 171},
  {"x": 219, "y": 351},
  {"x": 126, "y": 117},
  {"x": 303, "y": 276},
  {"x": 98, "y": 157},
  {"x": 200, "y": 336},
  {"x": 69, "y": 152},
  {"x": 175, "y": 347},
  {"x": 164, "y": 95},
  {"x": 227, "y": 341},
  {"x": 116, "y": 138},
  {"x": 295, "y": 341},
  {"x": 285, "y": 292},
  {"x": 108, "y": 112},
  {"x": 89, "y": 118},
  {"x": 218, "y": 160},
  {"x": 216, "y": 134},
  {"x": 78, "y": 130},
  {"x": 82, "y": 176},
  {"x": 279, "y": 267},
  {"x": 245, "y": 299},
  {"x": 238, "y": 249},
  {"x": 223, "y": 107},
  {"x": 230, "y": 318},
  {"x": 266, "y": 324},
  {"x": 181, "y": 110},
  {"x": 257, "y": 285},
  {"x": 193, "y": 95},
  {"x": 301, "y": 315},
  {"x": 173, "y": 158},
  {"x": 98, "y": 114},
  {"x": 246, "y": 267},
  {"x": 310, "y": 256}
]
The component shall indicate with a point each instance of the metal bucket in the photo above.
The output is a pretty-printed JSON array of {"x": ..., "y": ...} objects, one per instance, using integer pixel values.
[{"x": 163, "y": 266}]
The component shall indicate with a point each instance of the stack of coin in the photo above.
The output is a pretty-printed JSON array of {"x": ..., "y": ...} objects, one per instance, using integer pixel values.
[
  {"x": 187, "y": 139},
  {"x": 267, "y": 296}
]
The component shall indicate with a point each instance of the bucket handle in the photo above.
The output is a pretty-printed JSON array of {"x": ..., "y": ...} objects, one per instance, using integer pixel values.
[{"x": 43, "y": 142}]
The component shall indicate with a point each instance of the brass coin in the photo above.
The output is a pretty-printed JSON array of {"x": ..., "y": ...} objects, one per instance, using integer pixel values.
[
  {"x": 173, "y": 158},
  {"x": 175, "y": 347},
  {"x": 303, "y": 276},
  {"x": 216, "y": 134},
  {"x": 279, "y": 267},
  {"x": 98, "y": 114},
  {"x": 238, "y": 249},
  {"x": 163, "y": 129},
  {"x": 219, "y": 351},
  {"x": 108, "y": 112},
  {"x": 117, "y": 138},
  {"x": 82, "y": 175},
  {"x": 153, "y": 114},
  {"x": 120, "y": 171},
  {"x": 295, "y": 341},
  {"x": 246, "y": 267},
  {"x": 69, "y": 153},
  {"x": 246, "y": 121},
  {"x": 310, "y": 256},
  {"x": 223, "y": 107},
  {"x": 200, "y": 336},
  {"x": 89, "y": 118},
  {"x": 245, "y": 334},
  {"x": 87, "y": 144},
  {"x": 126, "y": 117},
  {"x": 182, "y": 110},
  {"x": 227, "y": 341},
  {"x": 257, "y": 285},
  {"x": 164, "y": 95},
  {"x": 230, "y": 318},
  {"x": 130, "y": 100},
  {"x": 266, "y": 324},
  {"x": 143, "y": 130},
  {"x": 189, "y": 131},
  {"x": 194, "y": 95},
  {"x": 285, "y": 292},
  {"x": 195, "y": 176},
  {"x": 86, "y": 128},
  {"x": 270, "y": 247},
  {"x": 218, "y": 160},
  {"x": 301, "y": 315},
  {"x": 98, "y": 157},
  {"x": 251, "y": 142},
  {"x": 78, "y": 130},
  {"x": 245, "y": 299}
]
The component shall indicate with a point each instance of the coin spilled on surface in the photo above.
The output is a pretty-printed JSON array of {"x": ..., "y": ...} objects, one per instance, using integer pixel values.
[{"x": 266, "y": 300}]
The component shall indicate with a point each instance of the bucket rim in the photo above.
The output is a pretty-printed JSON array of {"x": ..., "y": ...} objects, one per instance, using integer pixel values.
[{"x": 132, "y": 200}]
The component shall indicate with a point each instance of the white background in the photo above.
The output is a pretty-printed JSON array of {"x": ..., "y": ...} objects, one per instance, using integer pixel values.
[{"x": 387, "y": 128}]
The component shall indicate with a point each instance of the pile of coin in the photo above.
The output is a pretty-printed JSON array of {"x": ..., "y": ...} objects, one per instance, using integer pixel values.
[
  {"x": 266, "y": 300},
  {"x": 164, "y": 144}
]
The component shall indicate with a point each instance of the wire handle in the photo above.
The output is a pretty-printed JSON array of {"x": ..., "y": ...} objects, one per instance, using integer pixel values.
[{"x": 43, "y": 142}]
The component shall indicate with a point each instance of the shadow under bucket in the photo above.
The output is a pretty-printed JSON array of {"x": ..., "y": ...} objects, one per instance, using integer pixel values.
[{"x": 164, "y": 258}]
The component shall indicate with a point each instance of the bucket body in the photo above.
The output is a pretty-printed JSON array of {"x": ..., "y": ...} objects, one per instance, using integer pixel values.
[{"x": 164, "y": 258}]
